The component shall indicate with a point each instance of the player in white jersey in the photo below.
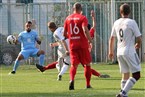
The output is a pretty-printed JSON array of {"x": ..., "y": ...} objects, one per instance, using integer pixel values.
[
  {"x": 126, "y": 31},
  {"x": 63, "y": 59}
]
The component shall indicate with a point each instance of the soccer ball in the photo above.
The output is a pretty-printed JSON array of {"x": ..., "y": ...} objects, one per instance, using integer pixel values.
[{"x": 11, "y": 39}]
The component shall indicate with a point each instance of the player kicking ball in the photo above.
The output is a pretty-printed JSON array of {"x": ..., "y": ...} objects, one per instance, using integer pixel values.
[{"x": 63, "y": 61}]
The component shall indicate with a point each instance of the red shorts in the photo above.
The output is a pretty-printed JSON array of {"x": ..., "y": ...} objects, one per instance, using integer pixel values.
[{"x": 82, "y": 56}]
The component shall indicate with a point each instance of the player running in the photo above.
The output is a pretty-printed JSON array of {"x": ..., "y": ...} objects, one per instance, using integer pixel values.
[{"x": 126, "y": 31}]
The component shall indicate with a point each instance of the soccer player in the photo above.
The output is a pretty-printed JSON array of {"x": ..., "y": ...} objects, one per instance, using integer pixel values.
[
  {"x": 28, "y": 40},
  {"x": 126, "y": 31},
  {"x": 92, "y": 31},
  {"x": 75, "y": 29},
  {"x": 63, "y": 59}
]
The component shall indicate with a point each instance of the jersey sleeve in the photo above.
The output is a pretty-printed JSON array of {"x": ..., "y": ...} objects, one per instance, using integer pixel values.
[
  {"x": 136, "y": 29},
  {"x": 92, "y": 31},
  {"x": 20, "y": 37},
  {"x": 58, "y": 35},
  {"x": 85, "y": 21}
]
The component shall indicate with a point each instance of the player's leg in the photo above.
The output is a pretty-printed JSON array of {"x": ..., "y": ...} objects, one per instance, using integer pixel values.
[
  {"x": 64, "y": 68},
  {"x": 74, "y": 64},
  {"x": 85, "y": 58},
  {"x": 60, "y": 63},
  {"x": 49, "y": 66},
  {"x": 134, "y": 65},
  {"x": 87, "y": 73},
  {"x": 73, "y": 70},
  {"x": 41, "y": 55},
  {"x": 95, "y": 73},
  {"x": 22, "y": 55}
]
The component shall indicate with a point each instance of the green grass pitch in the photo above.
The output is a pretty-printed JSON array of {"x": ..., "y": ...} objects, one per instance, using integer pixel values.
[{"x": 28, "y": 82}]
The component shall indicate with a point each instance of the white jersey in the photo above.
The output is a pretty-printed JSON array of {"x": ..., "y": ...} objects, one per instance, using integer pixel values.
[
  {"x": 58, "y": 35},
  {"x": 125, "y": 30}
]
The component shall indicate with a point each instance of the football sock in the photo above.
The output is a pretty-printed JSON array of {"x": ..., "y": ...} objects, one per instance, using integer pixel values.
[
  {"x": 72, "y": 73},
  {"x": 129, "y": 84},
  {"x": 95, "y": 73},
  {"x": 41, "y": 60},
  {"x": 87, "y": 73},
  {"x": 16, "y": 64},
  {"x": 123, "y": 82},
  {"x": 50, "y": 66},
  {"x": 63, "y": 69},
  {"x": 58, "y": 67}
]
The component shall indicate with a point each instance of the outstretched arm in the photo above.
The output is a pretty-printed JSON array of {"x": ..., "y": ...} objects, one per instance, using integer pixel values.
[{"x": 93, "y": 19}]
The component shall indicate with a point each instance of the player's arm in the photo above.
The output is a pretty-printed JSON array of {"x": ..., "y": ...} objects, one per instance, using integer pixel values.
[
  {"x": 38, "y": 41},
  {"x": 111, "y": 47},
  {"x": 18, "y": 39},
  {"x": 138, "y": 42},
  {"x": 137, "y": 34},
  {"x": 64, "y": 42},
  {"x": 65, "y": 47},
  {"x": 85, "y": 29},
  {"x": 93, "y": 20},
  {"x": 54, "y": 44}
]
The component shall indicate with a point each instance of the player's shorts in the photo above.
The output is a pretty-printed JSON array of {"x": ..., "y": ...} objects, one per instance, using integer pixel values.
[
  {"x": 129, "y": 63},
  {"x": 61, "y": 54},
  {"x": 82, "y": 56},
  {"x": 29, "y": 53}
]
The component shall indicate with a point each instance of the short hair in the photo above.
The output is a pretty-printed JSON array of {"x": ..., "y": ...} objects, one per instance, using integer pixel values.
[
  {"x": 125, "y": 9},
  {"x": 52, "y": 25},
  {"x": 77, "y": 6},
  {"x": 29, "y": 22}
]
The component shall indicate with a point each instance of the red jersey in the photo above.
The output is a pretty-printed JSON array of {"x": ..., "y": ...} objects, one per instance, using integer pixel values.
[
  {"x": 92, "y": 31},
  {"x": 73, "y": 25}
]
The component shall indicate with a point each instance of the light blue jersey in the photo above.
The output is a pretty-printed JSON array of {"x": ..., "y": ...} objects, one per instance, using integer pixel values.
[{"x": 28, "y": 40}]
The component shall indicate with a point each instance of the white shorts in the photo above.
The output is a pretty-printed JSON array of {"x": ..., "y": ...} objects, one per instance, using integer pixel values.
[
  {"x": 129, "y": 63},
  {"x": 61, "y": 54}
]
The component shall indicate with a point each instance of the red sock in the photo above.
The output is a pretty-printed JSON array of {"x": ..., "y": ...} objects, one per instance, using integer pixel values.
[
  {"x": 87, "y": 73},
  {"x": 50, "y": 66},
  {"x": 94, "y": 72},
  {"x": 72, "y": 73}
]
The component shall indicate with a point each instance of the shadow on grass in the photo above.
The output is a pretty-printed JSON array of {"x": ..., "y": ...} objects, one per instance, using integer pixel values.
[{"x": 64, "y": 94}]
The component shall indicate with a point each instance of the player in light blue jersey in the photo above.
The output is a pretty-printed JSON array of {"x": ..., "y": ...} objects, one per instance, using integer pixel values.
[{"x": 28, "y": 40}]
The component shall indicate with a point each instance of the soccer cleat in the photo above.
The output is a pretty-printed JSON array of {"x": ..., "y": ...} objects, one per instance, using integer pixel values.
[
  {"x": 71, "y": 85},
  {"x": 59, "y": 77},
  {"x": 104, "y": 76},
  {"x": 40, "y": 67},
  {"x": 13, "y": 72},
  {"x": 121, "y": 95},
  {"x": 88, "y": 87}
]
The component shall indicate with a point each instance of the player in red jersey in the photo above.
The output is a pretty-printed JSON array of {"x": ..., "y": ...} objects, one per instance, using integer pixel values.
[
  {"x": 92, "y": 31},
  {"x": 75, "y": 28}
]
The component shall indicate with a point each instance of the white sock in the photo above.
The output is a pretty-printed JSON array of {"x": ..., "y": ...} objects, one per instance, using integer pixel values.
[
  {"x": 58, "y": 67},
  {"x": 123, "y": 82},
  {"x": 129, "y": 84},
  {"x": 63, "y": 69}
]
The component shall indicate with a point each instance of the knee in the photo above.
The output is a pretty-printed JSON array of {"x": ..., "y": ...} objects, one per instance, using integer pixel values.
[
  {"x": 41, "y": 52},
  {"x": 136, "y": 76},
  {"x": 20, "y": 57}
]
